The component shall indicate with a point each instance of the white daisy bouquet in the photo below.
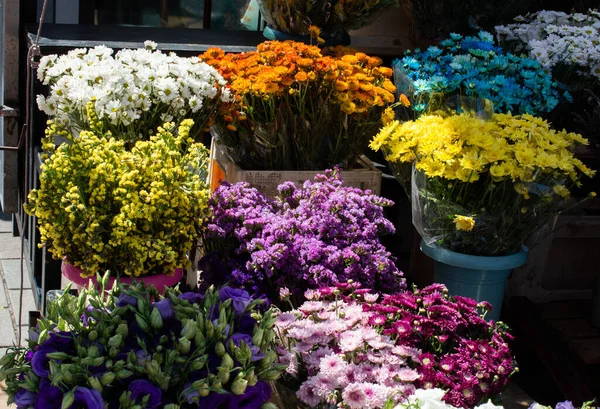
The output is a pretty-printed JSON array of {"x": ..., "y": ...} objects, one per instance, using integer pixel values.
[
  {"x": 567, "y": 45},
  {"x": 129, "y": 93}
]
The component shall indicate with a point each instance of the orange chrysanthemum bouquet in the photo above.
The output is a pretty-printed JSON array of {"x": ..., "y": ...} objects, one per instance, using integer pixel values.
[{"x": 295, "y": 108}]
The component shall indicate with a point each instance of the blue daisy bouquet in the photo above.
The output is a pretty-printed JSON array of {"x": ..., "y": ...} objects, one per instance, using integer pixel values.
[
  {"x": 134, "y": 349},
  {"x": 474, "y": 69}
]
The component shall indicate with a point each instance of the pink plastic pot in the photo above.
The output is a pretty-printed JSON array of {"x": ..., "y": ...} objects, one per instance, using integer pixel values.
[{"x": 159, "y": 281}]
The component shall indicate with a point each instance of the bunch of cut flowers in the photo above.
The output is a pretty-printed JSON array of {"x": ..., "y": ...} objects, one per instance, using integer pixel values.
[
  {"x": 130, "y": 93},
  {"x": 458, "y": 350},
  {"x": 333, "y": 18},
  {"x": 484, "y": 187},
  {"x": 474, "y": 67},
  {"x": 295, "y": 108},
  {"x": 101, "y": 206},
  {"x": 567, "y": 45},
  {"x": 317, "y": 235},
  {"x": 337, "y": 356},
  {"x": 131, "y": 348}
]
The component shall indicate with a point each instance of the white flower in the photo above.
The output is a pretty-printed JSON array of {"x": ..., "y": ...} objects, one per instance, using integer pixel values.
[{"x": 150, "y": 45}]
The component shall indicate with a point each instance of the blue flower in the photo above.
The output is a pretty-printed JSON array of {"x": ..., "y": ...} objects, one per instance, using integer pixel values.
[
  {"x": 125, "y": 299},
  {"x": 24, "y": 398},
  {"x": 87, "y": 399},
  {"x": 240, "y": 298},
  {"x": 165, "y": 307},
  {"x": 49, "y": 396},
  {"x": 192, "y": 297}
]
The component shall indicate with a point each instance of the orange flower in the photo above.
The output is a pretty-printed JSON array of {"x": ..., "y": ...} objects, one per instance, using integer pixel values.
[
  {"x": 404, "y": 100},
  {"x": 231, "y": 128},
  {"x": 301, "y": 76}
]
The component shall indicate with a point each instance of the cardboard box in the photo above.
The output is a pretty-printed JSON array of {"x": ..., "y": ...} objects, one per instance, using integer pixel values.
[{"x": 266, "y": 181}]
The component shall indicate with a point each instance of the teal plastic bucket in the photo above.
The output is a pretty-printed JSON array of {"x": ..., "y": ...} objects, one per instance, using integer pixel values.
[{"x": 477, "y": 277}]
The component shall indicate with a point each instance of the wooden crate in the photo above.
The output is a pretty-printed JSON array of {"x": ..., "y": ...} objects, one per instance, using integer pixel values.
[{"x": 266, "y": 181}]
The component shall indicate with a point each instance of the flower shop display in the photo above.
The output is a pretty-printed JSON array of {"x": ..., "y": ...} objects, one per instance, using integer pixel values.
[
  {"x": 135, "y": 212},
  {"x": 130, "y": 93},
  {"x": 135, "y": 349},
  {"x": 295, "y": 108},
  {"x": 474, "y": 67},
  {"x": 295, "y": 21},
  {"x": 348, "y": 344},
  {"x": 320, "y": 234},
  {"x": 482, "y": 188},
  {"x": 568, "y": 45}
]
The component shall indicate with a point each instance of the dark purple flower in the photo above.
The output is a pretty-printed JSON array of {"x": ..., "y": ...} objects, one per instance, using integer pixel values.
[
  {"x": 165, "y": 307},
  {"x": 254, "y": 396},
  {"x": 24, "y": 398},
  {"x": 246, "y": 324},
  {"x": 240, "y": 298},
  {"x": 237, "y": 339},
  {"x": 141, "y": 388},
  {"x": 56, "y": 342},
  {"x": 87, "y": 399},
  {"x": 192, "y": 297},
  {"x": 125, "y": 299},
  {"x": 49, "y": 396},
  {"x": 565, "y": 405},
  {"x": 29, "y": 355}
]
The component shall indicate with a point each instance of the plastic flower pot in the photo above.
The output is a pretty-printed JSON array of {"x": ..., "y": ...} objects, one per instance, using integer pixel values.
[
  {"x": 478, "y": 277},
  {"x": 160, "y": 281}
]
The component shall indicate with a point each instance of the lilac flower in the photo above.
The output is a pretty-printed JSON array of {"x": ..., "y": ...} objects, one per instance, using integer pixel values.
[
  {"x": 24, "y": 398},
  {"x": 254, "y": 396},
  {"x": 319, "y": 235},
  {"x": 565, "y": 405},
  {"x": 57, "y": 342},
  {"x": 87, "y": 399},
  {"x": 240, "y": 298},
  {"x": 49, "y": 396},
  {"x": 237, "y": 339},
  {"x": 125, "y": 299},
  {"x": 141, "y": 388},
  {"x": 165, "y": 307}
]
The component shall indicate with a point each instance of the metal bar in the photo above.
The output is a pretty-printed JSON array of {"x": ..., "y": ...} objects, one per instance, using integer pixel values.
[{"x": 207, "y": 17}]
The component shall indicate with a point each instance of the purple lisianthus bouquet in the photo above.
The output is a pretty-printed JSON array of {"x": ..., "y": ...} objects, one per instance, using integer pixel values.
[
  {"x": 337, "y": 357},
  {"x": 317, "y": 235},
  {"x": 461, "y": 352},
  {"x": 135, "y": 349}
]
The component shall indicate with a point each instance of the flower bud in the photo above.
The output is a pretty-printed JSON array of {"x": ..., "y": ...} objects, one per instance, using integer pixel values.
[
  {"x": 93, "y": 352},
  {"x": 156, "y": 320},
  {"x": 123, "y": 330},
  {"x": 238, "y": 387},
  {"x": 267, "y": 405},
  {"x": 189, "y": 330},
  {"x": 251, "y": 377},
  {"x": 223, "y": 375},
  {"x": 204, "y": 390},
  {"x": 68, "y": 399},
  {"x": 257, "y": 337},
  {"x": 113, "y": 352},
  {"x": 210, "y": 329},
  {"x": 199, "y": 338},
  {"x": 115, "y": 340},
  {"x": 95, "y": 383},
  {"x": 93, "y": 335},
  {"x": 220, "y": 349},
  {"x": 184, "y": 346},
  {"x": 271, "y": 375},
  {"x": 227, "y": 362},
  {"x": 57, "y": 355}
]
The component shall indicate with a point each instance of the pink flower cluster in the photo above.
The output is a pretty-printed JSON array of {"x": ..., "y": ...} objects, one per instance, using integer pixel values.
[
  {"x": 461, "y": 352},
  {"x": 335, "y": 355}
]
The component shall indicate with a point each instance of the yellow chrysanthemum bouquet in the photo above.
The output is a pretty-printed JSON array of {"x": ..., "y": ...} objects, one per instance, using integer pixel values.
[
  {"x": 295, "y": 108},
  {"x": 134, "y": 211},
  {"x": 480, "y": 186}
]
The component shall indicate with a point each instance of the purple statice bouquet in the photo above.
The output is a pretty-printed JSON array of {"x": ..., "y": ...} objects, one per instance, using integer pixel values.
[
  {"x": 337, "y": 357},
  {"x": 461, "y": 352},
  {"x": 318, "y": 235},
  {"x": 133, "y": 349}
]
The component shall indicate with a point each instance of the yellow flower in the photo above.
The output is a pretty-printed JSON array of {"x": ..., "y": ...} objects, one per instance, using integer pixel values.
[
  {"x": 522, "y": 190},
  {"x": 562, "y": 191},
  {"x": 404, "y": 100},
  {"x": 464, "y": 223},
  {"x": 387, "y": 116}
]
